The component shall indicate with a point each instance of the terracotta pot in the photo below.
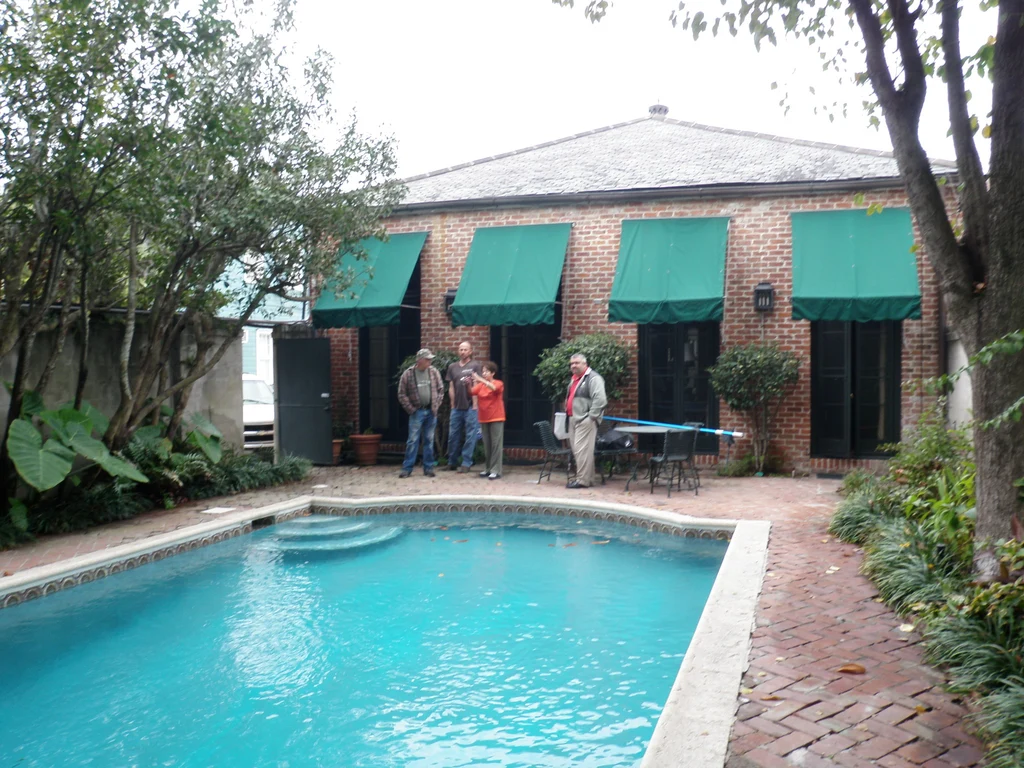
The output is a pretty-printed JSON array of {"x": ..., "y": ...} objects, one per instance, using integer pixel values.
[
  {"x": 365, "y": 448},
  {"x": 336, "y": 448}
]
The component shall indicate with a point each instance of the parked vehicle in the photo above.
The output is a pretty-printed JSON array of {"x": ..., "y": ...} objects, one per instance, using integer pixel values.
[{"x": 257, "y": 412}]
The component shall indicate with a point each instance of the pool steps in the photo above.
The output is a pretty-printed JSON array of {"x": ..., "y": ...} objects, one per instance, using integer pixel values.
[{"x": 326, "y": 533}]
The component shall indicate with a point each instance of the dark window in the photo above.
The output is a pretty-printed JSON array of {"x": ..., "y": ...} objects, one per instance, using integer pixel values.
[
  {"x": 381, "y": 349},
  {"x": 855, "y": 388},
  {"x": 674, "y": 382},
  {"x": 516, "y": 349}
]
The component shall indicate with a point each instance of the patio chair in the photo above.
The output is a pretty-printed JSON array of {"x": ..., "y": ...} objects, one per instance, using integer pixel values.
[
  {"x": 692, "y": 464},
  {"x": 677, "y": 457},
  {"x": 612, "y": 447},
  {"x": 555, "y": 455}
]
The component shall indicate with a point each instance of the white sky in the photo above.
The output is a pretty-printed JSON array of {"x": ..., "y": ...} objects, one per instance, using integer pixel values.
[{"x": 458, "y": 80}]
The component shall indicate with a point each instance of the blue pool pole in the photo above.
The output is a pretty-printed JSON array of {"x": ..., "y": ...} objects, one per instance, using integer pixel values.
[{"x": 725, "y": 432}]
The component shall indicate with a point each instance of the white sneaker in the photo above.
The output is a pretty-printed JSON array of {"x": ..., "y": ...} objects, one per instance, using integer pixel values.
[
  {"x": 493, "y": 476},
  {"x": 484, "y": 474}
]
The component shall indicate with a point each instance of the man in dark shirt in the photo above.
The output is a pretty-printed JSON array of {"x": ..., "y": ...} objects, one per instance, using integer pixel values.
[{"x": 464, "y": 425}]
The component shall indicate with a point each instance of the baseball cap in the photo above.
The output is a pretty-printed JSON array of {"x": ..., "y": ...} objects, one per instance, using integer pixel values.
[{"x": 424, "y": 354}]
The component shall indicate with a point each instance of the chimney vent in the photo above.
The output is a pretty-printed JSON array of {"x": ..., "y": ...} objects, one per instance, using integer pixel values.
[{"x": 658, "y": 110}]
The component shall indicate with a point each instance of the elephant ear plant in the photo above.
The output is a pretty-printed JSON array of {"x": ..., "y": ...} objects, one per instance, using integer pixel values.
[{"x": 754, "y": 379}]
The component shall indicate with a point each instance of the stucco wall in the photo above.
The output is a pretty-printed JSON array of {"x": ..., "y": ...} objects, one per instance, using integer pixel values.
[
  {"x": 759, "y": 249},
  {"x": 218, "y": 395}
]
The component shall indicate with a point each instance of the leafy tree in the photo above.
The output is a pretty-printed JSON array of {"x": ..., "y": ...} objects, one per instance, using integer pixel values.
[
  {"x": 979, "y": 257},
  {"x": 605, "y": 354},
  {"x": 754, "y": 379},
  {"x": 146, "y": 152}
]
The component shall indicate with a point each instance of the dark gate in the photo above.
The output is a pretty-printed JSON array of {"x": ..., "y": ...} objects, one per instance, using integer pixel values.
[
  {"x": 674, "y": 383},
  {"x": 303, "y": 393},
  {"x": 516, "y": 349}
]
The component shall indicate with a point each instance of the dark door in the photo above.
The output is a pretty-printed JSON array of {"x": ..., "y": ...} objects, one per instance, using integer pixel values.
[
  {"x": 302, "y": 379},
  {"x": 855, "y": 388},
  {"x": 381, "y": 350},
  {"x": 674, "y": 382},
  {"x": 516, "y": 349}
]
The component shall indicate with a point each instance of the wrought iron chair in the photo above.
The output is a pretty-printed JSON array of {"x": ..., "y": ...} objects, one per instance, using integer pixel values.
[
  {"x": 677, "y": 457},
  {"x": 555, "y": 455},
  {"x": 610, "y": 455},
  {"x": 692, "y": 464}
]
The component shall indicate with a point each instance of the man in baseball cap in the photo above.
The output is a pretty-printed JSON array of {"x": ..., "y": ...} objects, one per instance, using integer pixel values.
[{"x": 420, "y": 392}]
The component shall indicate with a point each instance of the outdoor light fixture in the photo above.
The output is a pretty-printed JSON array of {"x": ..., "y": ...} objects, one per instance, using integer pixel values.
[
  {"x": 764, "y": 297},
  {"x": 449, "y": 299}
]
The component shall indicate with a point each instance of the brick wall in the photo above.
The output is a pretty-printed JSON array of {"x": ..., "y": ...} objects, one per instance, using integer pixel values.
[{"x": 758, "y": 250}]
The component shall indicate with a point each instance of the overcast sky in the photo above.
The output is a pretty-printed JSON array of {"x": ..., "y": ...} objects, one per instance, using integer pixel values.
[{"x": 458, "y": 80}]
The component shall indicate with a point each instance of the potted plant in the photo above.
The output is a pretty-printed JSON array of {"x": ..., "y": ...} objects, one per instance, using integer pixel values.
[
  {"x": 341, "y": 432},
  {"x": 366, "y": 447}
]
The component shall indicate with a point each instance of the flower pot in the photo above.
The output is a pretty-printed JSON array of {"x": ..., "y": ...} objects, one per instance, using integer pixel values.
[
  {"x": 365, "y": 448},
  {"x": 336, "y": 447}
]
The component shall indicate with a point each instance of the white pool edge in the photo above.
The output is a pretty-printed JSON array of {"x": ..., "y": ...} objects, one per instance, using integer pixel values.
[
  {"x": 694, "y": 727},
  {"x": 695, "y": 724}
]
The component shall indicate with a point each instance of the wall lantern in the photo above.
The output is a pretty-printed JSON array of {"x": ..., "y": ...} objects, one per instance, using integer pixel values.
[
  {"x": 449, "y": 299},
  {"x": 764, "y": 297}
]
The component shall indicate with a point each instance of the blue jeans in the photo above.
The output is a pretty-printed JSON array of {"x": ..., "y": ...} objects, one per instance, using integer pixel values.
[
  {"x": 463, "y": 432},
  {"x": 422, "y": 423}
]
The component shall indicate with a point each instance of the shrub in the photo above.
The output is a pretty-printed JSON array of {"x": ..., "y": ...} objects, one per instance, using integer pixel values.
[
  {"x": 237, "y": 472},
  {"x": 741, "y": 467},
  {"x": 605, "y": 354},
  {"x": 1001, "y": 720},
  {"x": 753, "y": 379},
  {"x": 857, "y": 480},
  {"x": 857, "y": 518}
]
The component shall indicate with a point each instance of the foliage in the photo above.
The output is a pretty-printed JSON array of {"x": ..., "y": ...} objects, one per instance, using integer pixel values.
[
  {"x": 85, "y": 507},
  {"x": 857, "y": 518},
  {"x": 605, "y": 354},
  {"x": 754, "y": 379},
  {"x": 69, "y": 437},
  {"x": 928, "y": 449},
  {"x": 857, "y": 480},
  {"x": 238, "y": 472},
  {"x": 170, "y": 166},
  {"x": 739, "y": 467},
  {"x": 1001, "y": 721}
]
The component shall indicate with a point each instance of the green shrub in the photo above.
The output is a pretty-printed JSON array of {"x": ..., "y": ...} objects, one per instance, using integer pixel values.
[
  {"x": 1001, "y": 721},
  {"x": 753, "y": 379},
  {"x": 741, "y": 467},
  {"x": 857, "y": 518},
  {"x": 82, "y": 508},
  {"x": 857, "y": 480},
  {"x": 908, "y": 567},
  {"x": 928, "y": 449},
  {"x": 605, "y": 354},
  {"x": 237, "y": 472}
]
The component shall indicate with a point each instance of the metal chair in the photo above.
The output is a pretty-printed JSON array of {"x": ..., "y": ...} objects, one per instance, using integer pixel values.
[
  {"x": 692, "y": 463},
  {"x": 612, "y": 455},
  {"x": 555, "y": 455},
  {"x": 677, "y": 456}
]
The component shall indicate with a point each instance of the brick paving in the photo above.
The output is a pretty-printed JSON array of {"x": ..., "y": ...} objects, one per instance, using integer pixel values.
[{"x": 816, "y": 614}]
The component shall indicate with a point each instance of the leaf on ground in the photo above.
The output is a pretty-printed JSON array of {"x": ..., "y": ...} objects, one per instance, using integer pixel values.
[
  {"x": 921, "y": 709},
  {"x": 746, "y": 690},
  {"x": 906, "y": 627},
  {"x": 771, "y": 697},
  {"x": 851, "y": 669}
]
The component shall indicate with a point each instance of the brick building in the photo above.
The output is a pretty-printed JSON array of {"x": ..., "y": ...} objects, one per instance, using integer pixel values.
[{"x": 658, "y": 231}]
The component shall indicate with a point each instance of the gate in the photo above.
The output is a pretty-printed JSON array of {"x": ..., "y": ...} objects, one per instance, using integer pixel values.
[{"x": 303, "y": 394}]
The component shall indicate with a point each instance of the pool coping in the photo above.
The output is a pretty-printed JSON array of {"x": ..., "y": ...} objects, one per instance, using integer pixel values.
[{"x": 696, "y": 721}]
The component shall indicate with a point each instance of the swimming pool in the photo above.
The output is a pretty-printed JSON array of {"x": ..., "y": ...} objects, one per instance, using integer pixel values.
[{"x": 499, "y": 641}]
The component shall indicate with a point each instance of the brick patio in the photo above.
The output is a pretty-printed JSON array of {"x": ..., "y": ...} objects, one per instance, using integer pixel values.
[{"x": 816, "y": 613}]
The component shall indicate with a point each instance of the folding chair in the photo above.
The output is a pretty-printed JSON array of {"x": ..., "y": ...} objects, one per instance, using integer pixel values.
[
  {"x": 677, "y": 457},
  {"x": 554, "y": 454}
]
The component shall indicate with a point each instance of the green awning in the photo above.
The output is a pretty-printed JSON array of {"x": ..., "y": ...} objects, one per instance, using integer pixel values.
[
  {"x": 670, "y": 271},
  {"x": 512, "y": 275},
  {"x": 850, "y": 266},
  {"x": 380, "y": 283}
]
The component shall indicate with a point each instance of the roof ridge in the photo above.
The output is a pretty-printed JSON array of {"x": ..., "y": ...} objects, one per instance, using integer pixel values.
[{"x": 521, "y": 151}]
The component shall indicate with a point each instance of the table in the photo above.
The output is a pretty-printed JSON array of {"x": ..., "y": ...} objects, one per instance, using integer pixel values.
[{"x": 638, "y": 429}]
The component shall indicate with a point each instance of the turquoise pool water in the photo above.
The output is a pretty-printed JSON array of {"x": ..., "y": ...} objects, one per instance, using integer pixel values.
[{"x": 498, "y": 641}]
